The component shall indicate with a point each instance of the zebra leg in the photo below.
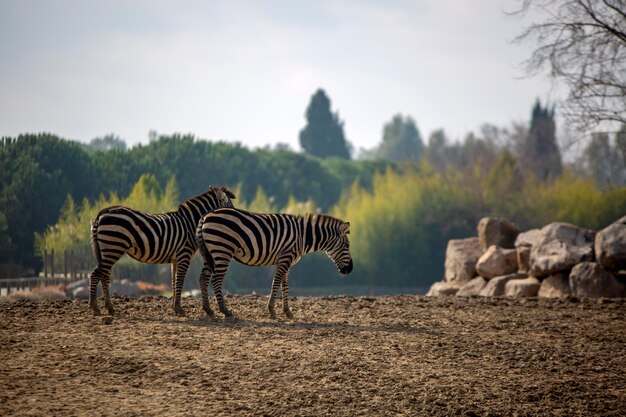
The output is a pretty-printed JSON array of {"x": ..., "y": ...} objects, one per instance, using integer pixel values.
[
  {"x": 107, "y": 297},
  {"x": 216, "y": 281},
  {"x": 205, "y": 275},
  {"x": 178, "y": 276},
  {"x": 285, "y": 290},
  {"x": 173, "y": 268},
  {"x": 281, "y": 269},
  {"x": 93, "y": 290}
]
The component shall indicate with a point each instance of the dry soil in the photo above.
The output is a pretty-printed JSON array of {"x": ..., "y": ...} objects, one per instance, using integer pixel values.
[{"x": 339, "y": 356}]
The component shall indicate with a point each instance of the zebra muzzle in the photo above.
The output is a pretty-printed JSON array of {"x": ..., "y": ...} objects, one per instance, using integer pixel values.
[{"x": 346, "y": 269}]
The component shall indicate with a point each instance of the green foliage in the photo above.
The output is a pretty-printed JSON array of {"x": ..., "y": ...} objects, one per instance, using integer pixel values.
[
  {"x": 72, "y": 232},
  {"x": 401, "y": 140},
  {"x": 346, "y": 172},
  {"x": 38, "y": 171},
  {"x": 402, "y": 216},
  {"x": 607, "y": 162},
  {"x": 36, "y": 174},
  {"x": 107, "y": 143},
  {"x": 323, "y": 135},
  {"x": 399, "y": 230}
]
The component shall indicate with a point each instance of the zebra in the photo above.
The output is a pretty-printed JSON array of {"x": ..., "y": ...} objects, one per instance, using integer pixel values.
[
  {"x": 266, "y": 239},
  {"x": 150, "y": 238}
]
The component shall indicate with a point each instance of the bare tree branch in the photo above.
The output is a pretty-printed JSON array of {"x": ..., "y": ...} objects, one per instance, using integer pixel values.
[{"x": 582, "y": 44}]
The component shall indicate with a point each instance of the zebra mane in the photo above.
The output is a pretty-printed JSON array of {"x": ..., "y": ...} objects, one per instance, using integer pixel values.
[
  {"x": 325, "y": 219},
  {"x": 211, "y": 191}
]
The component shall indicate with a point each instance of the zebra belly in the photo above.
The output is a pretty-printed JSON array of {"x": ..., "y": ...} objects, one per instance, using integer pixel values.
[
  {"x": 244, "y": 258},
  {"x": 164, "y": 259}
]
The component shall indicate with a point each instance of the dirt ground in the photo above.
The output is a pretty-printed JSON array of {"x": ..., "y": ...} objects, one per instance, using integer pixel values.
[{"x": 339, "y": 356}]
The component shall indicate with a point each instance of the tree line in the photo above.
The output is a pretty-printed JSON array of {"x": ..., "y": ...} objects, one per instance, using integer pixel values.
[
  {"x": 38, "y": 172},
  {"x": 405, "y": 198}
]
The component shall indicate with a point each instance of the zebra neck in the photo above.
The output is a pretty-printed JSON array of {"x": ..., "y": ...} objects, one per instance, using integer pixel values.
[
  {"x": 191, "y": 213},
  {"x": 310, "y": 243}
]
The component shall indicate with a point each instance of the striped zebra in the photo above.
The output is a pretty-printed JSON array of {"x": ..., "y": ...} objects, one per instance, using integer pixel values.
[
  {"x": 150, "y": 238},
  {"x": 266, "y": 239}
]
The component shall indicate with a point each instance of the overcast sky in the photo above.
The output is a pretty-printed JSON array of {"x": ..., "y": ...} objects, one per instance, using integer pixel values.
[{"x": 245, "y": 70}]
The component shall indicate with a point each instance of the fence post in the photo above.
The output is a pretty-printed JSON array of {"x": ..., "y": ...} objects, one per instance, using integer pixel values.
[
  {"x": 45, "y": 263},
  {"x": 71, "y": 260}
]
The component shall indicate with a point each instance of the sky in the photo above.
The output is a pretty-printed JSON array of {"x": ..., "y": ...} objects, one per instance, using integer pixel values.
[{"x": 245, "y": 71}]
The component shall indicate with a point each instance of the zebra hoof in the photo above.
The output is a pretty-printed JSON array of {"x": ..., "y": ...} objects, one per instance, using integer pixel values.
[
  {"x": 209, "y": 312},
  {"x": 225, "y": 311},
  {"x": 180, "y": 312},
  {"x": 111, "y": 310},
  {"x": 288, "y": 314},
  {"x": 95, "y": 311}
]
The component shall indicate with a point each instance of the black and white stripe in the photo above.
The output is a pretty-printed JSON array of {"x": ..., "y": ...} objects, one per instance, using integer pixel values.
[
  {"x": 266, "y": 239},
  {"x": 150, "y": 238}
]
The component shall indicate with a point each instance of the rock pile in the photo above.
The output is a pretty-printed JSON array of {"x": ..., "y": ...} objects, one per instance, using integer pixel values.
[{"x": 558, "y": 260}]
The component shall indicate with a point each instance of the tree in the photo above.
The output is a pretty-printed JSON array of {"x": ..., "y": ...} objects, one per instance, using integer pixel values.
[
  {"x": 107, "y": 143},
  {"x": 401, "y": 140},
  {"x": 540, "y": 152},
  {"x": 605, "y": 162},
  {"x": 36, "y": 174},
  {"x": 583, "y": 44},
  {"x": 323, "y": 135}
]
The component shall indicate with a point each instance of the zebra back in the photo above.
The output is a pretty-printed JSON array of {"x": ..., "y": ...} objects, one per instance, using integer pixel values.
[{"x": 195, "y": 207}]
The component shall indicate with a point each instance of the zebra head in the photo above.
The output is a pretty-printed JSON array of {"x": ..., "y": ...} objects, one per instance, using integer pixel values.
[
  {"x": 223, "y": 196},
  {"x": 339, "y": 249}
]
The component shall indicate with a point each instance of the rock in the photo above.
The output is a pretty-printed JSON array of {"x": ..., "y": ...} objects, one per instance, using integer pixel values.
[
  {"x": 517, "y": 288},
  {"x": 589, "y": 279},
  {"x": 559, "y": 247},
  {"x": 496, "y": 231},
  {"x": 527, "y": 239},
  {"x": 107, "y": 320},
  {"x": 555, "y": 286},
  {"x": 497, "y": 262},
  {"x": 461, "y": 257},
  {"x": 523, "y": 259},
  {"x": 125, "y": 287},
  {"x": 443, "y": 288},
  {"x": 495, "y": 286},
  {"x": 610, "y": 247},
  {"x": 472, "y": 287}
]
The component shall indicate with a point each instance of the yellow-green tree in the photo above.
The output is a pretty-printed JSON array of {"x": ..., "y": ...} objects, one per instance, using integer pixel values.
[{"x": 72, "y": 232}]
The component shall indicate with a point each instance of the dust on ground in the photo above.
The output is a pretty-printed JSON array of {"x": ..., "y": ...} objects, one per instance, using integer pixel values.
[{"x": 340, "y": 356}]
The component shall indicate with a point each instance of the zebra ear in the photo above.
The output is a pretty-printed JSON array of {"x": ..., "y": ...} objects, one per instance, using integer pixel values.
[{"x": 345, "y": 228}]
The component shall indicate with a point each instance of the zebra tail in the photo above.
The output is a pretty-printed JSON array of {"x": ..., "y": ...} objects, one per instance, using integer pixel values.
[
  {"x": 94, "y": 232},
  {"x": 206, "y": 255},
  {"x": 94, "y": 240}
]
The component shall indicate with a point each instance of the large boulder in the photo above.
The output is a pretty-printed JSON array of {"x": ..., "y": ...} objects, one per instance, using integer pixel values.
[
  {"x": 125, "y": 287},
  {"x": 559, "y": 247},
  {"x": 528, "y": 238},
  {"x": 461, "y": 257},
  {"x": 526, "y": 287},
  {"x": 497, "y": 262},
  {"x": 523, "y": 244},
  {"x": 443, "y": 288},
  {"x": 523, "y": 259},
  {"x": 496, "y": 231},
  {"x": 555, "y": 286},
  {"x": 495, "y": 287},
  {"x": 472, "y": 287},
  {"x": 589, "y": 279},
  {"x": 610, "y": 246}
]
